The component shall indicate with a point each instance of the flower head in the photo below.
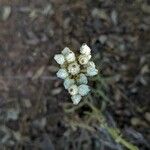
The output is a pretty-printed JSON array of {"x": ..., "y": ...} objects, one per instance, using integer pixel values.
[
  {"x": 73, "y": 90},
  {"x": 65, "y": 51},
  {"x": 83, "y": 89},
  {"x": 62, "y": 73},
  {"x": 76, "y": 99},
  {"x": 91, "y": 71},
  {"x": 59, "y": 59},
  {"x": 73, "y": 68},
  {"x": 91, "y": 64},
  {"x": 82, "y": 79},
  {"x": 69, "y": 55},
  {"x": 68, "y": 82},
  {"x": 84, "y": 49},
  {"x": 83, "y": 59}
]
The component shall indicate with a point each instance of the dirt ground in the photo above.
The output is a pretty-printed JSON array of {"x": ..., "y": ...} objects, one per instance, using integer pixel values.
[{"x": 32, "y": 98}]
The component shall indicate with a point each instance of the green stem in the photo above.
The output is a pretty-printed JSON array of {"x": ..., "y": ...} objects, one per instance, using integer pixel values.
[{"x": 115, "y": 135}]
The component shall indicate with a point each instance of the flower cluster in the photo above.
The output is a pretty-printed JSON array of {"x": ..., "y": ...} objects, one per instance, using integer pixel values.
[{"x": 74, "y": 70}]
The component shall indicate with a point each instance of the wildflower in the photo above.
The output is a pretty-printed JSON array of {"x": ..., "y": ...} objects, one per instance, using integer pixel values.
[
  {"x": 73, "y": 90},
  {"x": 62, "y": 73},
  {"x": 68, "y": 82},
  {"x": 85, "y": 49},
  {"x": 74, "y": 68},
  {"x": 82, "y": 79},
  {"x": 83, "y": 89},
  {"x": 76, "y": 99},
  {"x": 59, "y": 59}
]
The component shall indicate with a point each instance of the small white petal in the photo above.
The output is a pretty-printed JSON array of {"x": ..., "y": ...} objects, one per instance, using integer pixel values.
[
  {"x": 83, "y": 89},
  {"x": 62, "y": 73},
  {"x": 83, "y": 59},
  {"x": 59, "y": 59},
  {"x": 66, "y": 50},
  {"x": 73, "y": 68},
  {"x": 68, "y": 82},
  {"x": 73, "y": 90},
  {"x": 91, "y": 71},
  {"x": 84, "y": 49},
  {"x": 76, "y": 99},
  {"x": 82, "y": 79}
]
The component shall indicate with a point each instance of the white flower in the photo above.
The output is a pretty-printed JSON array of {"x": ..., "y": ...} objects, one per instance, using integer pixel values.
[
  {"x": 68, "y": 82},
  {"x": 82, "y": 79},
  {"x": 91, "y": 71},
  {"x": 62, "y": 73},
  {"x": 83, "y": 89},
  {"x": 66, "y": 50},
  {"x": 76, "y": 99},
  {"x": 83, "y": 59},
  {"x": 73, "y": 89},
  {"x": 59, "y": 59},
  {"x": 73, "y": 68},
  {"x": 84, "y": 49}
]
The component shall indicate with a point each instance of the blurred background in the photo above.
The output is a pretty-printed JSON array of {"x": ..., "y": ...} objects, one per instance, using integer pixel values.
[{"x": 36, "y": 113}]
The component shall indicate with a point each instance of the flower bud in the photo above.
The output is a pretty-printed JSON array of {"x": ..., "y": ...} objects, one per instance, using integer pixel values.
[
  {"x": 91, "y": 71},
  {"x": 83, "y": 89},
  {"x": 76, "y": 99},
  {"x": 68, "y": 54},
  {"x": 59, "y": 59},
  {"x": 73, "y": 68},
  {"x": 73, "y": 90},
  {"x": 91, "y": 64},
  {"x": 65, "y": 51},
  {"x": 83, "y": 59},
  {"x": 82, "y": 79},
  {"x": 84, "y": 49},
  {"x": 68, "y": 82},
  {"x": 62, "y": 73},
  {"x": 70, "y": 57}
]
